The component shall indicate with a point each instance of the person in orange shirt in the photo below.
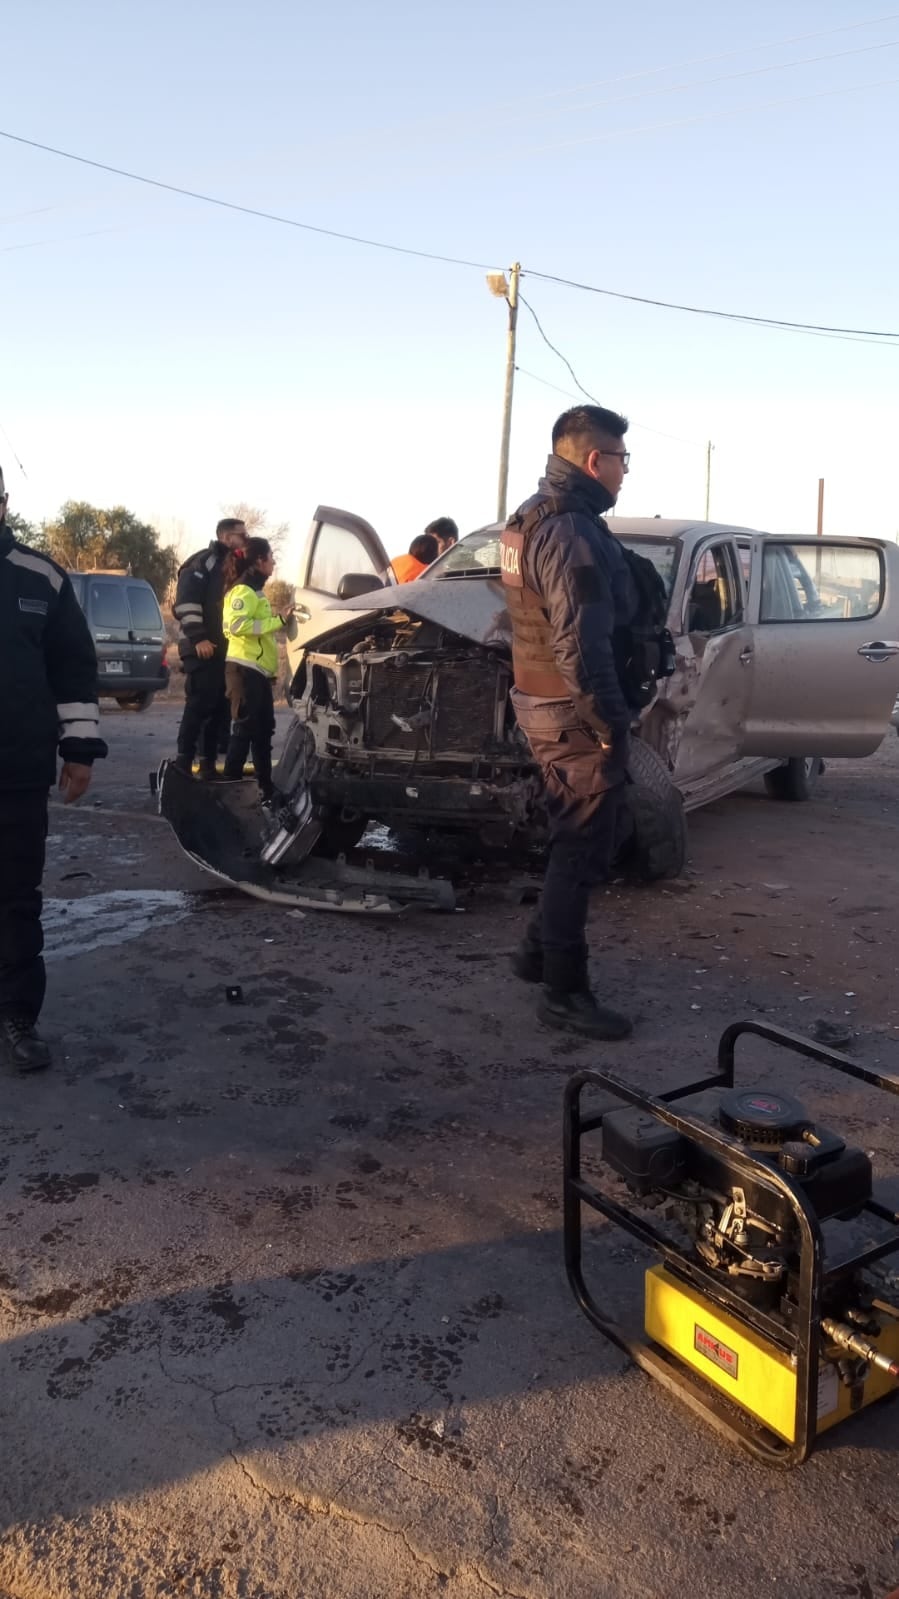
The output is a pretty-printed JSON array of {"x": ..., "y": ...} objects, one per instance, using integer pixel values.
[{"x": 422, "y": 551}]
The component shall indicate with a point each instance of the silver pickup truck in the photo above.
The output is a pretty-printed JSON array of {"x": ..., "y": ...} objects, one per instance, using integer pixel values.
[{"x": 787, "y": 652}]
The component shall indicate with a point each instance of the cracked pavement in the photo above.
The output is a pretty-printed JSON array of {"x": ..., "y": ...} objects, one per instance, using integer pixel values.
[{"x": 283, "y": 1308}]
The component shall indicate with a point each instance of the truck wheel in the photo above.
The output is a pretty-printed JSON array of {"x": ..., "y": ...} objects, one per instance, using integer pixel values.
[
  {"x": 135, "y": 702},
  {"x": 795, "y": 779},
  {"x": 655, "y": 829}
]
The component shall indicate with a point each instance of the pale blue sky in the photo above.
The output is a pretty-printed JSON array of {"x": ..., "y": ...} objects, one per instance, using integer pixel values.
[{"x": 173, "y": 356}]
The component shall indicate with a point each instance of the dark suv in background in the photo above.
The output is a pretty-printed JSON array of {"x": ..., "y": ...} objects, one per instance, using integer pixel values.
[{"x": 127, "y": 628}]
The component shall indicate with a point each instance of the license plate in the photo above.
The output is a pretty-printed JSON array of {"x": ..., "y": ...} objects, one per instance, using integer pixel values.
[{"x": 114, "y": 666}]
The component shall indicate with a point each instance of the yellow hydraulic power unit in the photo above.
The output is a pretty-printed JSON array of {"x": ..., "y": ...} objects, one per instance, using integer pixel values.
[{"x": 771, "y": 1337}]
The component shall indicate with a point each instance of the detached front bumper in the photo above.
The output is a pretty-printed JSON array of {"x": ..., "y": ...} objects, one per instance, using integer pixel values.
[{"x": 222, "y": 828}]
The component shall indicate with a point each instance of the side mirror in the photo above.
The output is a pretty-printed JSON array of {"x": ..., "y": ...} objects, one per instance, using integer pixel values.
[{"x": 356, "y": 583}]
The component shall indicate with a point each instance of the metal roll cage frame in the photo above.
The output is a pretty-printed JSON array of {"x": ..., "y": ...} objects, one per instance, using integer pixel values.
[{"x": 803, "y": 1342}]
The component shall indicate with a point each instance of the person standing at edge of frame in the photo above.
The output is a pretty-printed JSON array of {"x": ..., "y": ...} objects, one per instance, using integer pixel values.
[
  {"x": 48, "y": 699},
  {"x": 582, "y": 609}
]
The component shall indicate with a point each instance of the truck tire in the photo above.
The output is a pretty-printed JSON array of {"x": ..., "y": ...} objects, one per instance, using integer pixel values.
[
  {"x": 794, "y": 780},
  {"x": 135, "y": 702},
  {"x": 655, "y": 827}
]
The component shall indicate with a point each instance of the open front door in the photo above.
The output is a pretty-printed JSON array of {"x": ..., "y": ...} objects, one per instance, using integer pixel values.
[
  {"x": 825, "y": 623},
  {"x": 714, "y": 649},
  {"x": 339, "y": 546}
]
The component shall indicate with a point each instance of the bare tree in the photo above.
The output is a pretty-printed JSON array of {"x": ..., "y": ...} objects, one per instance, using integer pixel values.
[{"x": 257, "y": 523}]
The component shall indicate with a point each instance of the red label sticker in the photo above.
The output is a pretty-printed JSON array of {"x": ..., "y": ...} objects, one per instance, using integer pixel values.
[{"x": 714, "y": 1350}]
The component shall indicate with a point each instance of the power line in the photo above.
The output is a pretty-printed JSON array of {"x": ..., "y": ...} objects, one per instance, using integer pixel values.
[
  {"x": 727, "y": 77},
  {"x": 676, "y": 437},
  {"x": 563, "y": 358},
  {"x": 245, "y": 210},
  {"x": 865, "y": 334},
  {"x": 706, "y": 116},
  {"x": 701, "y": 61},
  {"x": 13, "y": 452},
  {"x": 536, "y": 102}
]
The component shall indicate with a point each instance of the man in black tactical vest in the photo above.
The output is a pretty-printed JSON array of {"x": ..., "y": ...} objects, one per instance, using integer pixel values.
[{"x": 574, "y": 598}]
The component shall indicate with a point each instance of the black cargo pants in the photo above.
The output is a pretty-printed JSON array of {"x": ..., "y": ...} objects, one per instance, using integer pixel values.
[
  {"x": 584, "y": 788},
  {"x": 252, "y": 723},
  {"x": 23, "y": 834},
  {"x": 205, "y": 708}
]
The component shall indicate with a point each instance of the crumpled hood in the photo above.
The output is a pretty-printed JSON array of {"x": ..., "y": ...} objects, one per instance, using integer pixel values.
[{"x": 473, "y": 607}]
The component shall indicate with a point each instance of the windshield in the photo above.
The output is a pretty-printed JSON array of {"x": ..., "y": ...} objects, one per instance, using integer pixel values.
[
  {"x": 662, "y": 555},
  {"x": 478, "y": 554}
]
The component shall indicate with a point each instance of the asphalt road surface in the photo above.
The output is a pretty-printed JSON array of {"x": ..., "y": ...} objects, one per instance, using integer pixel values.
[{"x": 284, "y": 1313}]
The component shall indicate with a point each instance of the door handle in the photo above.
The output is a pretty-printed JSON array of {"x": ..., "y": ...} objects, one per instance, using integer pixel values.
[
  {"x": 879, "y": 650},
  {"x": 745, "y": 657}
]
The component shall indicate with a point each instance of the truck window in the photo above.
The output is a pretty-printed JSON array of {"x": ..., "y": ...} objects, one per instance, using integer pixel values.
[
  {"x": 145, "y": 613},
  {"x": 336, "y": 554},
  {"x": 715, "y": 599},
  {"x": 109, "y": 607},
  {"x": 821, "y": 583}
]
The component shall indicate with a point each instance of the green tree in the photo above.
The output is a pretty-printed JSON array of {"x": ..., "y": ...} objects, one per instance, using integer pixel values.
[
  {"x": 84, "y": 536},
  {"x": 26, "y": 532}
]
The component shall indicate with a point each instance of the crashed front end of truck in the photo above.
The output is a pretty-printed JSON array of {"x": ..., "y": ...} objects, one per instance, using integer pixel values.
[
  {"x": 398, "y": 718},
  {"x": 402, "y": 716},
  {"x": 404, "y": 720}
]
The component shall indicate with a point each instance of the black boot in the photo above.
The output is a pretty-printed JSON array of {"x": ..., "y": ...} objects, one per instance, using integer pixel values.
[
  {"x": 184, "y": 763},
  {"x": 21, "y": 1049},
  {"x": 568, "y": 1004},
  {"x": 527, "y": 960},
  {"x": 208, "y": 771}
]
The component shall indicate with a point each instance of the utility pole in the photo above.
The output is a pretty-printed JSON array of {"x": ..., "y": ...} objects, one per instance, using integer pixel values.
[
  {"x": 820, "y": 507},
  {"x": 708, "y": 477},
  {"x": 507, "y": 291}
]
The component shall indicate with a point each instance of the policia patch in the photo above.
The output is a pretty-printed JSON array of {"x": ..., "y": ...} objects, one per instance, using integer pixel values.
[{"x": 511, "y": 545}]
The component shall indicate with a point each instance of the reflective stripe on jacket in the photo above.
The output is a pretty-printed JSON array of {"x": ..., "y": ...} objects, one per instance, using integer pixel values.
[
  {"x": 48, "y": 671},
  {"x": 198, "y": 601},
  {"x": 250, "y": 629}
]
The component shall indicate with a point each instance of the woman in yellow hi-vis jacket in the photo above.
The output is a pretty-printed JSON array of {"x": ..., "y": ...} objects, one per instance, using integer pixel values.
[{"x": 251, "y": 665}]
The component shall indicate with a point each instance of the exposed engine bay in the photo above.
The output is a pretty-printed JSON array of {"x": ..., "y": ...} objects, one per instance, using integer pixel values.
[
  {"x": 397, "y": 709},
  {"x": 404, "y": 722}
]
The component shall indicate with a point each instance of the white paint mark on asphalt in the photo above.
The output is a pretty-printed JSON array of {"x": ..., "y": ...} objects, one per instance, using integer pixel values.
[{"x": 77, "y": 926}]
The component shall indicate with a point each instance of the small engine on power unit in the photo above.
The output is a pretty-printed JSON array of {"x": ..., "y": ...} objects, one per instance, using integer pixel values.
[{"x": 771, "y": 1281}]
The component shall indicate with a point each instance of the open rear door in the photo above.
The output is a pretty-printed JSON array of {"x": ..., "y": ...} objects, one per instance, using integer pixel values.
[{"x": 825, "y": 642}]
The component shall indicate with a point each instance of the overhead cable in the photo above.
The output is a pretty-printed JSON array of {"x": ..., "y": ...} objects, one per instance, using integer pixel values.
[
  {"x": 431, "y": 255},
  {"x": 245, "y": 210}
]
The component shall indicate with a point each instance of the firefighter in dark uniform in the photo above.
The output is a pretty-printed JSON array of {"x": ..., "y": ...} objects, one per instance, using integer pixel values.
[
  {"x": 48, "y": 700},
  {"x": 573, "y": 599},
  {"x": 198, "y": 611}
]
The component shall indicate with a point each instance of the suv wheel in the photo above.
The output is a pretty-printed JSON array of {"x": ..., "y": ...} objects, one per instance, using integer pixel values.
[
  {"x": 654, "y": 841},
  {"x": 794, "y": 780}
]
